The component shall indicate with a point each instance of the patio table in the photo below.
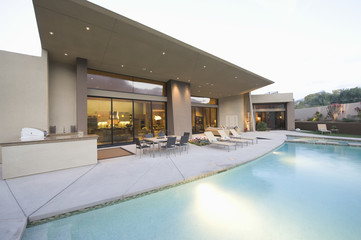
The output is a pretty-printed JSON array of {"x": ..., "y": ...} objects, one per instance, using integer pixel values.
[{"x": 155, "y": 140}]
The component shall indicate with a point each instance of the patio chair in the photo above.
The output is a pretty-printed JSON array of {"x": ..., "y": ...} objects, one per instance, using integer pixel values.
[
  {"x": 161, "y": 134},
  {"x": 182, "y": 144},
  {"x": 224, "y": 137},
  {"x": 140, "y": 146},
  {"x": 213, "y": 140},
  {"x": 187, "y": 134},
  {"x": 236, "y": 135},
  {"x": 323, "y": 128},
  {"x": 170, "y": 144}
]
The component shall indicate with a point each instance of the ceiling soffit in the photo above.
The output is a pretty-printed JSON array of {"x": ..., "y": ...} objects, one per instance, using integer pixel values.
[{"x": 119, "y": 45}]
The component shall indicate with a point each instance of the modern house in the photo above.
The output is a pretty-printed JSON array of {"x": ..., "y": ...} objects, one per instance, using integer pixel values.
[{"x": 104, "y": 74}]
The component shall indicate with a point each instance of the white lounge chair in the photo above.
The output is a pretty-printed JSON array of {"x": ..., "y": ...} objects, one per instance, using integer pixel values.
[
  {"x": 225, "y": 137},
  {"x": 323, "y": 128},
  {"x": 236, "y": 135},
  {"x": 213, "y": 140}
]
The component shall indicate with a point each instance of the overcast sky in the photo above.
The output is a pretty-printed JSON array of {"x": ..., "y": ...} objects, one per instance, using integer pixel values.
[{"x": 303, "y": 46}]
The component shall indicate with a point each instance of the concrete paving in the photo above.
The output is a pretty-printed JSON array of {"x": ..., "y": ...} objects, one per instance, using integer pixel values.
[{"x": 45, "y": 195}]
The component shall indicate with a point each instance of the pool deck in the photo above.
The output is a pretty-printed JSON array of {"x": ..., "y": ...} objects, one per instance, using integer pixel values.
[{"x": 32, "y": 198}]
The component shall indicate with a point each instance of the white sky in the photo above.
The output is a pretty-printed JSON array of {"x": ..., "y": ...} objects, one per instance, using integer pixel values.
[{"x": 304, "y": 46}]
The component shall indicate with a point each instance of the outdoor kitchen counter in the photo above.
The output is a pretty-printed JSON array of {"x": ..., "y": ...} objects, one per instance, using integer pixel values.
[{"x": 55, "y": 152}]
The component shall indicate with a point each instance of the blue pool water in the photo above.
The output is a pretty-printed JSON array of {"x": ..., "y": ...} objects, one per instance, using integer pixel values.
[{"x": 299, "y": 191}]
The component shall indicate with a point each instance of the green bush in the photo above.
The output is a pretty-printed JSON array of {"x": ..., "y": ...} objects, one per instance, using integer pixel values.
[
  {"x": 261, "y": 126},
  {"x": 317, "y": 117}
]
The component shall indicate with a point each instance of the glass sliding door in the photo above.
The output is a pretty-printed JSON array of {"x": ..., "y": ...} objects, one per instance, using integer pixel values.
[
  {"x": 99, "y": 119},
  {"x": 213, "y": 117},
  {"x": 122, "y": 121},
  {"x": 199, "y": 121},
  {"x": 118, "y": 121},
  {"x": 202, "y": 118},
  {"x": 142, "y": 118},
  {"x": 159, "y": 120}
]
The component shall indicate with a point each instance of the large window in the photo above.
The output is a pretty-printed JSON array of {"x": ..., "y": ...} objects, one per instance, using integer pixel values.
[
  {"x": 202, "y": 118},
  {"x": 122, "y": 121},
  {"x": 273, "y": 114},
  {"x": 118, "y": 121},
  {"x": 159, "y": 118},
  {"x": 142, "y": 118},
  {"x": 121, "y": 83},
  {"x": 99, "y": 119}
]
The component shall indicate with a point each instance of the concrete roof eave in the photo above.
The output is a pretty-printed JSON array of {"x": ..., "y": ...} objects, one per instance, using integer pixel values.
[{"x": 120, "y": 45}]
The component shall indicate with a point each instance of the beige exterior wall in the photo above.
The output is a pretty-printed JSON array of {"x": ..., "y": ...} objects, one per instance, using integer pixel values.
[
  {"x": 62, "y": 96},
  {"x": 272, "y": 98},
  {"x": 179, "y": 107},
  {"x": 230, "y": 109},
  {"x": 23, "y": 93},
  {"x": 291, "y": 116}
]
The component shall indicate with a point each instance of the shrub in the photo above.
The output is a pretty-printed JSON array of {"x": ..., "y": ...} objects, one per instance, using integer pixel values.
[
  {"x": 334, "y": 110},
  {"x": 261, "y": 126},
  {"x": 317, "y": 117},
  {"x": 358, "y": 110}
]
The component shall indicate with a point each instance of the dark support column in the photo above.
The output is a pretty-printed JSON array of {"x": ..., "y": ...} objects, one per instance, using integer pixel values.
[
  {"x": 178, "y": 107},
  {"x": 81, "y": 94}
]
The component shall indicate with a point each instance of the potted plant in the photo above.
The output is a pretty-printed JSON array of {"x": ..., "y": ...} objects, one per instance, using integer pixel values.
[{"x": 334, "y": 128}]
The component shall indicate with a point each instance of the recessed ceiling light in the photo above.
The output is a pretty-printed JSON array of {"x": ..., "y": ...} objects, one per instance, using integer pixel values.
[
  {"x": 235, "y": 77},
  {"x": 65, "y": 54},
  {"x": 87, "y": 28},
  {"x": 199, "y": 90},
  {"x": 199, "y": 86},
  {"x": 163, "y": 53},
  {"x": 51, "y": 33},
  {"x": 204, "y": 66},
  {"x": 91, "y": 78},
  {"x": 177, "y": 78},
  {"x": 122, "y": 65},
  {"x": 207, "y": 83},
  {"x": 212, "y": 84},
  {"x": 189, "y": 80},
  {"x": 150, "y": 71},
  {"x": 144, "y": 69}
]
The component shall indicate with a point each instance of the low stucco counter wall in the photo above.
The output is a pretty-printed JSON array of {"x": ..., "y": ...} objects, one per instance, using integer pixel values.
[{"x": 22, "y": 158}]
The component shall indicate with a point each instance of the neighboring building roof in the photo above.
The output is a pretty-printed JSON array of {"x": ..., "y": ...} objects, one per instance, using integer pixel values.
[
  {"x": 272, "y": 98},
  {"x": 117, "y": 44}
]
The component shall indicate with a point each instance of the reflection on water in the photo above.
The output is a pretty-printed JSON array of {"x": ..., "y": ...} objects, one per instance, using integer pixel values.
[{"x": 299, "y": 191}]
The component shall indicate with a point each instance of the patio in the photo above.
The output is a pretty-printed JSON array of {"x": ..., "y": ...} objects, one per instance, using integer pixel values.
[{"x": 45, "y": 195}]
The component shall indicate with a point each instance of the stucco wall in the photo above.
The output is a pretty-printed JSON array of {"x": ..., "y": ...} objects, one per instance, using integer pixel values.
[
  {"x": 62, "y": 96},
  {"x": 23, "y": 93},
  {"x": 349, "y": 112},
  {"x": 272, "y": 98},
  {"x": 178, "y": 107},
  {"x": 231, "y": 106}
]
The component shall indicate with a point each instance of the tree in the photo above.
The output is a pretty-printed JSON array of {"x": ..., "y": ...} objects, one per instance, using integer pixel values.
[{"x": 337, "y": 96}]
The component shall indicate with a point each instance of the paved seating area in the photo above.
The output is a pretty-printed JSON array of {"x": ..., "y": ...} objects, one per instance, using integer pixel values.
[{"x": 44, "y": 195}]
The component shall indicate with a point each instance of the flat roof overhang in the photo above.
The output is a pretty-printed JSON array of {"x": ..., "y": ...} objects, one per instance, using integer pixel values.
[{"x": 117, "y": 44}]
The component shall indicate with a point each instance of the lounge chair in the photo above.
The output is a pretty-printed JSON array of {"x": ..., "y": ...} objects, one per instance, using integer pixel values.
[
  {"x": 213, "y": 140},
  {"x": 236, "y": 135},
  {"x": 225, "y": 137},
  {"x": 323, "y": 128}
]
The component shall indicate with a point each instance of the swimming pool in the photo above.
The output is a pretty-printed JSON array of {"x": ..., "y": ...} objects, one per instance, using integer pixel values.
[{"x": 299, "y": 191}]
